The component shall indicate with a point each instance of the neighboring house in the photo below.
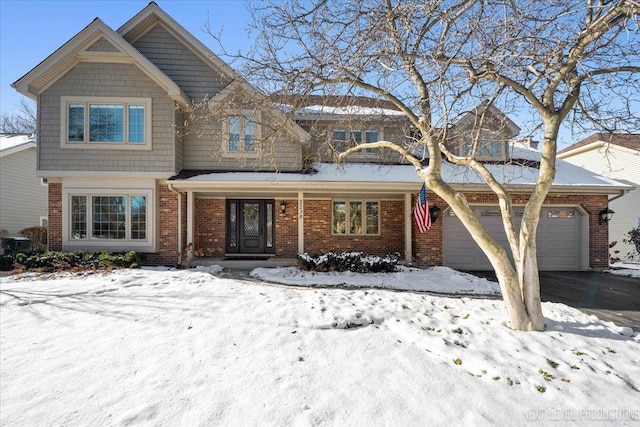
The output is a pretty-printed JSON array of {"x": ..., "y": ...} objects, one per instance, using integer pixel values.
[
  {"x": 23, "y": 195},
  {"x": 243, "y": 179},
  {"x": 615, "y": 156}
]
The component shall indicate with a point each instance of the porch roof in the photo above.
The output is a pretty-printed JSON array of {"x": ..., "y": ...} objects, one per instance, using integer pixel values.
[{"x": 353, "y": 176}]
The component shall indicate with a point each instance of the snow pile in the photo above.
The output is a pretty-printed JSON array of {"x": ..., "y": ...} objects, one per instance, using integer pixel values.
[
  {"x": 625, "y": 272},
  {"x": 184, "y": 347},
  {"x": 435, "y": 279}
]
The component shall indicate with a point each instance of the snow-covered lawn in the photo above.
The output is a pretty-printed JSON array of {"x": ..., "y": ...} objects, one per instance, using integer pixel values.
[{"x": 188, "y": 348}]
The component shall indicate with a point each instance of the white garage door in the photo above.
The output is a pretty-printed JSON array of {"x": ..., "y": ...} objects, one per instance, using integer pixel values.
[{"x": 559, "y": 239}]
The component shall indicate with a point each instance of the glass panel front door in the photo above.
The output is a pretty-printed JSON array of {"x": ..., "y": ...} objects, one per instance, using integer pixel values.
[{"x": 250, "y": 226}]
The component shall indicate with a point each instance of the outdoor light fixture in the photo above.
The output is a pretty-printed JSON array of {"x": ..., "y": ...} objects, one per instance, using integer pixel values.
[
  {"x": 605, "y": 216},
  {"x": 283, "y": 207},
  {"x": 434, "y": 212}
]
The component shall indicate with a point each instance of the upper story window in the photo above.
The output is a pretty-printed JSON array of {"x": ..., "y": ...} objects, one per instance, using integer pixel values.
[
  {"x": 106, "y": 122},
  {"x": 242, "y": 133},
  {"x": 489, "y": 147},
  {"x": 343, "y": 139}
]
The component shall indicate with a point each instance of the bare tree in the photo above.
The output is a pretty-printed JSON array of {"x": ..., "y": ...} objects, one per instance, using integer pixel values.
[
  {"x": 438, "y": 61},
  {"x": 21, "y": 121}
]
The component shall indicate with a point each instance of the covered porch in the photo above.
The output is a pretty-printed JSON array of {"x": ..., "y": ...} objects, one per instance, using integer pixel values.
[{"x": 231, "y": 215}]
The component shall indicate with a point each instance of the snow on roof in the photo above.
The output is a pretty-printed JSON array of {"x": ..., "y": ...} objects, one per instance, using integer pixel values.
[
  {"x": 510, "y": 174},
  {"x": 349, "y": 110},
  {"x": 13, "y": 140}
]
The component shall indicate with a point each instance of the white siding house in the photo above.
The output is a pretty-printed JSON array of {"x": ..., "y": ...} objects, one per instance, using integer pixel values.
[
  {"x": 23, "y": 197},
  {"x": 616, "y": 157}
]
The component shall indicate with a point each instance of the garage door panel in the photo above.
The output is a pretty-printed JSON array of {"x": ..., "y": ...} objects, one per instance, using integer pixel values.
[{"x": 558, "y": 239}]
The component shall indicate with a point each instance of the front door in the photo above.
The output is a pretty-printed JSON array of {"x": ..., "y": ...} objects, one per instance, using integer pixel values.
[{"x": 250, "y": 227}]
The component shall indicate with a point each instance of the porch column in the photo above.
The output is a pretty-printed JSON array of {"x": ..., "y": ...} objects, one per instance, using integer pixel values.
[
  {"x": 408, "y": 249},
  {"x": 300, "y": 222},
  {"x": 190, "y": 209}
]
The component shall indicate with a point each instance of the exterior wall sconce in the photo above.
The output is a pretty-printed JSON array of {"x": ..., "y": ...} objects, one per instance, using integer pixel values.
[
  {"x": 434, "y": 213},
  {"x": 283, "y": 207},
  {"x": 605, "y": 216}
]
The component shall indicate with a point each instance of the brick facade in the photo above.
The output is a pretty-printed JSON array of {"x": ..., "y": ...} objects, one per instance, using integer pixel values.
[
  {"x": 210, "y": 222},
  {"x": 167, "y": 228},
  {"x": 319, "y": 239},
  {"x": 54, "y": 232},
  {"x": 286, "y": 238}
]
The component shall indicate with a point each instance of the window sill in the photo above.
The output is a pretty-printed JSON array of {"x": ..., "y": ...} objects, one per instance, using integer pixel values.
[{"x": 103, "y": 146}]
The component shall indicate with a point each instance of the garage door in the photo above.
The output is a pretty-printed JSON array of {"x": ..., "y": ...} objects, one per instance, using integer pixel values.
[{"x": 559, "y": 239}]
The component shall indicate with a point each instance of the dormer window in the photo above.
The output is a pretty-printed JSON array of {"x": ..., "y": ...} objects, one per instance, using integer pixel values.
[
  {"x": 489, "y": 147},
  {"x": 106, "y": 122}
]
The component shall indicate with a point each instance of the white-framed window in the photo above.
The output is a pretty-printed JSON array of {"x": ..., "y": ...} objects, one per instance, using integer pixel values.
[
  {"x": 108, "y": 217},
  {"x": 242, "y": 133},
  {"x": 489, "y": 146},
  {"x": 355, "y": 217},
  {"x": 343, "y": 138},
  {"x": 111, "y": 123}
]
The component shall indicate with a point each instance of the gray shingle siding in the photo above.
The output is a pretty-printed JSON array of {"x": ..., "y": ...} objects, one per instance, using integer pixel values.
[
  {"x": 207, "y": 152},
  {"x": 102, "y": 45},
  {"x": 192, "y": 74},
  {"x": 106, "y": 80}
]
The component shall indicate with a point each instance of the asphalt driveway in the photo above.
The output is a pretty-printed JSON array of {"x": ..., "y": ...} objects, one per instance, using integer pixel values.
[{"x": 610, "y": 297}]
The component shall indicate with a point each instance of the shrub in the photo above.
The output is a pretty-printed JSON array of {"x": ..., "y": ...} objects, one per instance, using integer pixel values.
[
  {"x": 60, "y": 261},
  {"x": 633, "y": 237},
  {"x": 38, "y": 237},
  {"x": 356, "y": 262}
]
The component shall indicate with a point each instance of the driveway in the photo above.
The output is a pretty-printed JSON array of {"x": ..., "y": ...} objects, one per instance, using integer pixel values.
[{"x": 610, "y": 297}]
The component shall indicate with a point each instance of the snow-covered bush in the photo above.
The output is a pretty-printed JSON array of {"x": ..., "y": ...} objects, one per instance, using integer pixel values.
[
  {"x": 59, "y": 261},
  {"x": 348, "y": 261},
  {"x": 633, "y": 237}
]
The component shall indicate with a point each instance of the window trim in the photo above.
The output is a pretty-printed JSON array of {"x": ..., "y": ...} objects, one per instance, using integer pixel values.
[
  {"x": 257, "y": 135},
  {"x": 485, "y": 137},
  {"x": 89, "y": 243},
  {"x": 347, "y": 203},
  {"x": 65, "y": 101},
  {"x": 348, "y": 141}
]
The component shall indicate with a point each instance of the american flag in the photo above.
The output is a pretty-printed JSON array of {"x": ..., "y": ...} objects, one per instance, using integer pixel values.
[{"x": 421, "y": 211}]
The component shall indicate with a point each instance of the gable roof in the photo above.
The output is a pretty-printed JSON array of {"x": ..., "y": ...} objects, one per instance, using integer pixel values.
[
  {"x": 79, "y": 49},
  {"x": 153, "y": 15},
  {"x": 630, "y": 141},
  {"x": 11, "y": 143},
  {"x": 471, "y": 118}
]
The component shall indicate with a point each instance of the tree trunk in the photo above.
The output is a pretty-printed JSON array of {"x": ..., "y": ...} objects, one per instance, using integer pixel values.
[{"x": 521, "y": 293}]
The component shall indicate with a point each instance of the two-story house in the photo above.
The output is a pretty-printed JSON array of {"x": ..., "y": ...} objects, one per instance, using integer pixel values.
[{"x": 132, "y": 166}]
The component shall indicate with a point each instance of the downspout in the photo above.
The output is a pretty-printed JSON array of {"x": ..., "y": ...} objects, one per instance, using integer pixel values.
[
  {"x": 622, "y": 193},
  {"x": 179, "y": 216}
]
